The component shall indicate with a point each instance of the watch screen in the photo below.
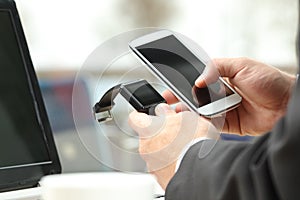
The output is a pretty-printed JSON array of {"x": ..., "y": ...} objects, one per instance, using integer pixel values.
[{"x": 144, "y": 93}]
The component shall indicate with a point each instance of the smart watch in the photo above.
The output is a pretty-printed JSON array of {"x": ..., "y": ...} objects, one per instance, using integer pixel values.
[{"x": 140, "y": 94}]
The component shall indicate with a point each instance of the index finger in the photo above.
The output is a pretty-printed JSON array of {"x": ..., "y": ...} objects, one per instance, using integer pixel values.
[{"x": 169, "y": 97}]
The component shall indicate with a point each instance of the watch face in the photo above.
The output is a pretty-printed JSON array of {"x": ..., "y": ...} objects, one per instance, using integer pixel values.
[{"x": 144, "y": 93}]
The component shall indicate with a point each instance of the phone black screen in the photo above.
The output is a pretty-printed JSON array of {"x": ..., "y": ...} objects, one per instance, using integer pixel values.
[{"x": 181, "y": 67}]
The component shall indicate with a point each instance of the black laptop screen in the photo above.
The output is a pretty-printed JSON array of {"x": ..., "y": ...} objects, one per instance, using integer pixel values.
[{"x": 21, "y": 136}]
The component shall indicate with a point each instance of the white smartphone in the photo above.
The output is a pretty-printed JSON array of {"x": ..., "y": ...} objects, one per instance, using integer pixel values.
[{"x": 172, "y": 61}]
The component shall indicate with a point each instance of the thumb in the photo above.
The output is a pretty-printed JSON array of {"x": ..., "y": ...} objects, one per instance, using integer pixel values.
[
  {"x": 229, "y": 67},
  {"x": 139, "y": 122},
  {"x": 209, "y": 75},
  {"x": 163, "y": 109}
]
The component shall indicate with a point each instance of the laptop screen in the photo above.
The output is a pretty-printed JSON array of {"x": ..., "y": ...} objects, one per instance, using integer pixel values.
[
  {"x": 21, "y": 140},
  {"x": 27, "y": 148}
]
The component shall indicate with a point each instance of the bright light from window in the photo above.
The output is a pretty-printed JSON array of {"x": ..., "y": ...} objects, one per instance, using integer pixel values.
[{"x": 62, "y": 33}]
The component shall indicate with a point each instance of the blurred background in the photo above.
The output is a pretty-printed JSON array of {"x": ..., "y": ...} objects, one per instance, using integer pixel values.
[{"x": 61, "y": 34}]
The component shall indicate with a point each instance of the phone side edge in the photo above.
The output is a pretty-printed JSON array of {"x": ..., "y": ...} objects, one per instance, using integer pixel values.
[
  {"x": 150, "y": 37},
  {"x": 221, "y": 106}
]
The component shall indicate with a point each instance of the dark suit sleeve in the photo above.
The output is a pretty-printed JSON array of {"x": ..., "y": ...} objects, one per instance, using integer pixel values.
[{"x": 266, "y": 168}]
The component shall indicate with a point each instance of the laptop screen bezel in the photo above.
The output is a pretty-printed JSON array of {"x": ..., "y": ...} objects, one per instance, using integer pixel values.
[{"x": 29, "y": 176}]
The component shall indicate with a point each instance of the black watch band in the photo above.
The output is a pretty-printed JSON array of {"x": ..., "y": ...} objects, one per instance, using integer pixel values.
[{"x": 102, "y": 108}]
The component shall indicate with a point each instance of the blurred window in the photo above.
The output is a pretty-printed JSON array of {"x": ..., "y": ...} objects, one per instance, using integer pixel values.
[{"x": 62, "y": 33}]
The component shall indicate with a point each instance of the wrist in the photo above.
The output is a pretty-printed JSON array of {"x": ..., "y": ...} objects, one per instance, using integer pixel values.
[
  {"x": 292, "y": 79},
  {"x": 185, "y": 149}
]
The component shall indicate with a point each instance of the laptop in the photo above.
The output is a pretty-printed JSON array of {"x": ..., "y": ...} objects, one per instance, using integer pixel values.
[{"x": 27, "y": 149}]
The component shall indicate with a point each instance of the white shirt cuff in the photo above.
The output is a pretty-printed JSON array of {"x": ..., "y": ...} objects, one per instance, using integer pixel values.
[{"x": 186, "y": 148}]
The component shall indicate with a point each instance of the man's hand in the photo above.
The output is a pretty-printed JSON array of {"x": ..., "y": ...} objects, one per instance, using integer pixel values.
[
  {"x": 162, "y": 137},
  {"x": 265, "y": 91}
]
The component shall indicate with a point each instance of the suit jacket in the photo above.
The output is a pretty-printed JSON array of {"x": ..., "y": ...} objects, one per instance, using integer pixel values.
[{"x": 266, "y": 168}]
